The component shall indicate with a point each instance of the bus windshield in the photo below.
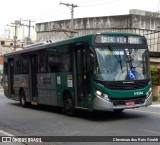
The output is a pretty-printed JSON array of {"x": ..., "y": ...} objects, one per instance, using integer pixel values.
[{"x": 121, "y": 64}]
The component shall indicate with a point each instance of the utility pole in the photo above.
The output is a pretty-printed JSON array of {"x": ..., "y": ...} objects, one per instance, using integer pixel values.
[
  {"x": 15, "y": 25},
  {"x": 72, "y": 6},
  {"x": 29, "y": 29}
]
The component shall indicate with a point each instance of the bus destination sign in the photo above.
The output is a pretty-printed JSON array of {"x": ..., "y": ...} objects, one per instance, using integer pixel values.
[{"x": 118, "y": 39}]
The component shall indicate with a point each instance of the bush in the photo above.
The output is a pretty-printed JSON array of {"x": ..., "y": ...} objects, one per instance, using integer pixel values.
[
  {"x": 154, "y": 75},
  {"x": 154, "y": 98}
]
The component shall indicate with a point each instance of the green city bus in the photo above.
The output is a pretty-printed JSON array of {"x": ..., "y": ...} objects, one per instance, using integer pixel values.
[{"x": 103, "y": 71}]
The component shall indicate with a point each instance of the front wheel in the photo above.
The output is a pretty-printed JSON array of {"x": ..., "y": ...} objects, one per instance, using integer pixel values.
[{"x": 68, "y": 105}]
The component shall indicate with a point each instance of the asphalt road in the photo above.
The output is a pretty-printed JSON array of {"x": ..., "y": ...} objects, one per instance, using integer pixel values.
[{"x": 49, "y": 121}]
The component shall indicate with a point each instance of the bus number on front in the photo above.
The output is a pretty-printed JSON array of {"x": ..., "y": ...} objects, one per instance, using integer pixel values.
[{"x": 138, "y": 93}]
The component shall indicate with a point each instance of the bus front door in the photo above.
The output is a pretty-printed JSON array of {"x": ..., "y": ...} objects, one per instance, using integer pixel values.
[
  {"x": 82, "y": 77},
  {"x": 33, "y": 77}
]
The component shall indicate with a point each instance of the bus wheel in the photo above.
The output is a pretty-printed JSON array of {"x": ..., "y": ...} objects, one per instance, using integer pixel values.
[
  {"x": 68, "y": 105},
  {"x": 118, "y": 111},
  {"x": 23, "y": 102}
]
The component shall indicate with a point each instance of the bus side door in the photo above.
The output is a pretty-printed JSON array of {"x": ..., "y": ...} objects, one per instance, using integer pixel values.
[
  {"x": 82, "y": 77},
  {"x": 33, "y": 77}
]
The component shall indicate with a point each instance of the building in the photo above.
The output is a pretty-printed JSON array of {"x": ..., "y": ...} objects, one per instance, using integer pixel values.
[
  {"x": 21, "y": 30},
  {"x": 7, "y": 45},
  {"x": 137, "y": 21}
]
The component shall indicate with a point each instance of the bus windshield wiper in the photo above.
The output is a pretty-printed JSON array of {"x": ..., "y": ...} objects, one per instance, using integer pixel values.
[
  {"x": 118, "y": 58},
  {"x": 129, "y": 59}
]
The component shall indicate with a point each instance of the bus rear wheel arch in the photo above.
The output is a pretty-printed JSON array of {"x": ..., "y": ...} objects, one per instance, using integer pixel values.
[{"x": 68, "y": 104}]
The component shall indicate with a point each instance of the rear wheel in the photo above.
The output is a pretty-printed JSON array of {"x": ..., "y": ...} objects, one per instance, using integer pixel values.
[
  {"x": 68, "y": 105},
  {"x": 23, "y": 101}
]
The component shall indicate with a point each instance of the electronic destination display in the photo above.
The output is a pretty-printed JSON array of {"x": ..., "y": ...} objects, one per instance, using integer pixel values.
[{"x": 101, "y": 38}]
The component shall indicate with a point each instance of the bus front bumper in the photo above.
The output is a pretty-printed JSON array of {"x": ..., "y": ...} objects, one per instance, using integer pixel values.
[{"x": 101, "y": 104}]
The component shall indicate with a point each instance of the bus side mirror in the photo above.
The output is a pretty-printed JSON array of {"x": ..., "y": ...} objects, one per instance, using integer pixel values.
[{"x": 91, "y": 58}]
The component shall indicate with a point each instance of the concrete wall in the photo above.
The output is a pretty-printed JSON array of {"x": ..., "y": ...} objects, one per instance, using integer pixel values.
[
  {"x": 52, "y": 30},
  {"x": 138, "y": 21}
]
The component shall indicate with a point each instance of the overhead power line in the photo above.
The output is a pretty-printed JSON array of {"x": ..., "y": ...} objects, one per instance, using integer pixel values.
[
  {"x": 72, "y": 6},
  {"x": 29, "y": 29},
  {"x": 52, "y": 15},
  {"x": 15, "y": 25},
  {"x": 98, "y": 4}
]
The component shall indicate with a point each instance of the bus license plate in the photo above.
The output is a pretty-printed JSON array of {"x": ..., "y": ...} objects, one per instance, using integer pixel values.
[{"x": 129, "y": 103}]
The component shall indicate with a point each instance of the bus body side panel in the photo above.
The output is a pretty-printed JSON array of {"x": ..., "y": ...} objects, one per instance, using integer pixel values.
[
  {"x": 64, "y": 82},
  {"x": 21, "y": 82},
  {"x": 5, "y": 86},
  {"x": 46, "y": 85}
]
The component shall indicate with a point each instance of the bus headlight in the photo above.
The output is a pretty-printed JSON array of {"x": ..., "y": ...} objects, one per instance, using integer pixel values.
[
  {"x": 102, "y": 95},
  {"x": 149, "y": 92},
  {"x": 99, "y": 93}
]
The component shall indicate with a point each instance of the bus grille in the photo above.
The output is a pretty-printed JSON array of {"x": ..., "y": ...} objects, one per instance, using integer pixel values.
[
  {"x": 127, "y": 86},
  {"x": 121, "y": 102},
  {"x": 124, "y": 85}
]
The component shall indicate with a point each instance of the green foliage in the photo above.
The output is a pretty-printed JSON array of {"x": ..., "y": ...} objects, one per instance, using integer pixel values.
[
  {"x": 154, "y": 75},
  {"x": 154, "y": 98}
]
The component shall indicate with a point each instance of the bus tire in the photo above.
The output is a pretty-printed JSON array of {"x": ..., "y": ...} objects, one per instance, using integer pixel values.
[
  {"x": 68, "y": 105},
  {"x": 118, "y": 110},
  {"x": 22, "y": 98}
]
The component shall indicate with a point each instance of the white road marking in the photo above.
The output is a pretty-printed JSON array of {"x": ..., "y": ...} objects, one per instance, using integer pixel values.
[
  {"x": 150, "y": 131},
  {"x": 143, "y": 111},
  {"x": 6, "y": 133},
  {"x": 156, "y": 105}
]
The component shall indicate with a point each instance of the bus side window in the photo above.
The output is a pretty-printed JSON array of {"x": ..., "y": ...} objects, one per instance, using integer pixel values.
[
  {"x": 17, "y": 66},
  {"x": 43, "y": 67},
  {"x": 25, "y": 66},
  {"x": 53, "y": 67},
  {"x": 53, "y": 60},
  {"x": 42, "y": 62},
  {"x": 5, "y": 70},
  {"x": 59, "y": 59}
]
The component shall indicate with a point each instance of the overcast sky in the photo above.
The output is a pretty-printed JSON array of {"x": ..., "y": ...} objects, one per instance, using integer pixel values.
[{"x": 50, "y": 10}]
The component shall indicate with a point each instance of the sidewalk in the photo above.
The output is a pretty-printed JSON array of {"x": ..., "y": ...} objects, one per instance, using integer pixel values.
[
  {"x": 1, "y": 86},
  {"x": 156, "y": 103}
]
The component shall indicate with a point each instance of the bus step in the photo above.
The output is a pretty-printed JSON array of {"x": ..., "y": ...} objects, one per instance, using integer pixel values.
[
  {"x": 81, "y": 108},
  {"x": 34, "y": 103}
]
